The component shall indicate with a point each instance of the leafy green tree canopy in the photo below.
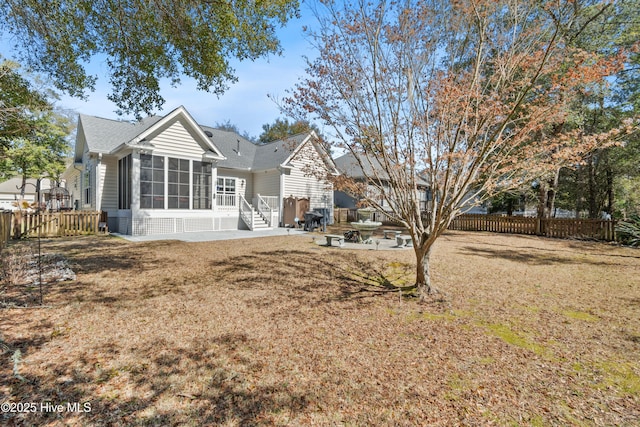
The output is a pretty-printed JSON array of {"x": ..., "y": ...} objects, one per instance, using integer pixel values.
[
  {"x": 33, "y": 136},
  {"x": 143, "y": 41},
  {"x": 42, "y": 152},
  {"x": 281, "y": 129},
  {"x": 16, "y": 98}
]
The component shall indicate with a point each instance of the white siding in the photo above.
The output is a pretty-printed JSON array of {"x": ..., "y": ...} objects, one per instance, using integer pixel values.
[
  {"x": 176, "y": 141},
  {"x": 109, "y": 191},
  {"x": 267, "y": 183},
  {"x": 93, "y": 179},
  {"x": 301, "y": 182},
  {"x": 247, "y": 191}
]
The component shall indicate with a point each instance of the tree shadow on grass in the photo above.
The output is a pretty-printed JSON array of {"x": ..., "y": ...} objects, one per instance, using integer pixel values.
[
  {"x": 306, "y": 275},
  {"x": 570, "y": 246},
  {"x": 517, "y": 255},
  {"x": 537, "y": 256},
  {"x": 211, "y": 382},
  {"x": 113, "y": 262},
  {"x": 230, "y": 391}
]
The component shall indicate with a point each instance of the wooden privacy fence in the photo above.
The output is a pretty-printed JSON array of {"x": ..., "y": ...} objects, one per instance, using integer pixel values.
[
  {"x": 495, "y": 223},
  {"x": 345, "y": 215},
  {"x": 553, "y": 227},
  {"x": 57, "y": 224},
  {"x": 341, "y": 215},
  {"x": 5, "y": 228}
]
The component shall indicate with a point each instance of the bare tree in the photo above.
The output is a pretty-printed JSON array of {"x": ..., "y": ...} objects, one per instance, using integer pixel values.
[{"x": 463, "y": 95}]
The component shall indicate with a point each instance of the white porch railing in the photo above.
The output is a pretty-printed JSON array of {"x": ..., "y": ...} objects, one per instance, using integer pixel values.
[
  {"x": 226, "y": 200},
  {"x": 264, "y": 208},
  {"x": 246, "y": 212},
  {"x": 273, "y": 202}
]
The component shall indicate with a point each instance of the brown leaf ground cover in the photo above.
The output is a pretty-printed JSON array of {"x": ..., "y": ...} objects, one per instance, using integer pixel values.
[{"x": 281, "y": 331}]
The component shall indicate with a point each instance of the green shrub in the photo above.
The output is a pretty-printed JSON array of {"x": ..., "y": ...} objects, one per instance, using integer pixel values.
[{"x": 629, "y": 231}]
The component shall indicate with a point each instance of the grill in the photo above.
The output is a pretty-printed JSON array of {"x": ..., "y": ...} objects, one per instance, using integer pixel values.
[{"x": 312, "y": 220}]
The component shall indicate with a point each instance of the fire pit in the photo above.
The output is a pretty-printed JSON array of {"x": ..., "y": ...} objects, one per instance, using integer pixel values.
[{"x": 366, "y": 229}]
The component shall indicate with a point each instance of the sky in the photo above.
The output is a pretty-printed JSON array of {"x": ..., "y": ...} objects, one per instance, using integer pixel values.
[{"x": 246, "y": 104}]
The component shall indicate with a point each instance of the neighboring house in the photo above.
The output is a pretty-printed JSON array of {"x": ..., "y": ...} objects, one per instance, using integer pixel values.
[
  {"x": 169, "y": 174},
  {"x": 11, "y": 188},
  {"x": 348, "y": 166}
]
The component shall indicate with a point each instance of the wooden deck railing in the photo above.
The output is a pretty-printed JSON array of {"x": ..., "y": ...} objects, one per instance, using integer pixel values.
[{"x": 57, "y": 224}]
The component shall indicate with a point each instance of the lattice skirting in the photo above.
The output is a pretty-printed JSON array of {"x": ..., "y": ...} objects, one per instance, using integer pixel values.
[{"x": 148, "y": 226}]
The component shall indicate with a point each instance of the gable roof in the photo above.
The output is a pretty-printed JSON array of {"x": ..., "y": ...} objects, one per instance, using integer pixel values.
[
  {"x": 283, "y": 151},
  {"x": 348, "y": 165},
  {"x": 232, "y": 150},
  {"x": 108, "y": 136},
  {"x": 280, "y": 152},
  {"x": 241, "y": 153},
  {"x": 105, "y": 135}
]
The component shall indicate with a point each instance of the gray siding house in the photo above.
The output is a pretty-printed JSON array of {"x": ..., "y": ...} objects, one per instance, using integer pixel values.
[
  {"x": 169, "y": 174},
  {"x": 349, "y": 166}
]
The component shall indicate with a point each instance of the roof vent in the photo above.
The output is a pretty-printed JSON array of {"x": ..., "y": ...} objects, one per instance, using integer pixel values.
[{"x": 208, "y": 133}]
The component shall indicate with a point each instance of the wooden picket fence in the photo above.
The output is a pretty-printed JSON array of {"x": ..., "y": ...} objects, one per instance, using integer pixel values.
[
  {"x": 5, "y": 228},
  {"x": 57, "y": 224},
  {"x": 495, "y": 223},
  {"x": 553, "y": 227}
]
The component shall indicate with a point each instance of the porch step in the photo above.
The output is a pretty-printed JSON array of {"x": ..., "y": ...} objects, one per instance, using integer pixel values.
[{"x": 259, "y": 223}]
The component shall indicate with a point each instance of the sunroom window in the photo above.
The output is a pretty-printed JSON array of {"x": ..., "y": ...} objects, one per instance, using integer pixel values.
[
  {"x": 178, "y": 184},
  {"x": 151, "y": 182},
  {"x": 201, "y": 185}
]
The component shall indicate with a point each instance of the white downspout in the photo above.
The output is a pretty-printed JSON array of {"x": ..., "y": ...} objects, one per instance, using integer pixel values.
[
  {"x": 98, "y": 183},
  {"x": 282, "y": 193}
]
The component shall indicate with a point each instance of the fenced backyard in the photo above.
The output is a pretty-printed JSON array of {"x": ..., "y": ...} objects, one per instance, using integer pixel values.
[
  {"x": 554, "y": 227},
  {"x": 533, "y": 332},
  {"x": 19, "y": 224},
  {"x": 5, "y": 228}
]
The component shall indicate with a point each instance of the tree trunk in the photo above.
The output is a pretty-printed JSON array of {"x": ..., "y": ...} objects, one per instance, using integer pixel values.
[
  {"x": 547, "y": 195},
  {"x": 24, "y": 186},
  {"x": 610, "y": 195},
  {"x": 423, "y": 275},
  {"x": 542, "y": 200},
  {"x": 592, "y": 189},
  {"x": 551, "y": 193}
]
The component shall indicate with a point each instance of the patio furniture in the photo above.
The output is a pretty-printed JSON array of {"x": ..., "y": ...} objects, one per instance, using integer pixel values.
[
  {"x": 393, "y": 233},
  {"x": 403, "y": 240},
  {"x": 331, "y": 237}
]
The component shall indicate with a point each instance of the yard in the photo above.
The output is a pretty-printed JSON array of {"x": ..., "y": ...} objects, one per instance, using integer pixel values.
[{"x": 281, "y": 331}]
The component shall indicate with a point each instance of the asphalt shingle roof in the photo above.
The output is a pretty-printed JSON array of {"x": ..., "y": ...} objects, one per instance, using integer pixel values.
[
  {"x": 348, "y": 165},
  {"x": 277, "y": 152},
  {"x": 239, "y": 152},
  {"x": 105, "y": 135}
]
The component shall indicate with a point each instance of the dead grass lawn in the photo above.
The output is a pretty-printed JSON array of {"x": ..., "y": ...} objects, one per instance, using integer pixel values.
[{"x": 280, "y": 331}]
